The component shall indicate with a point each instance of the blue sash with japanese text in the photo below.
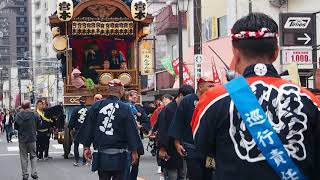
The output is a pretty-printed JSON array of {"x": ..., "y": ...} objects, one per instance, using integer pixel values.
[{"x": 261, "y": 130}]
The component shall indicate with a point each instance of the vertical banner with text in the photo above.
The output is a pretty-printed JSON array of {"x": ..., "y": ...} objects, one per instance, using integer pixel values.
[{"x": 146, "y": 58}]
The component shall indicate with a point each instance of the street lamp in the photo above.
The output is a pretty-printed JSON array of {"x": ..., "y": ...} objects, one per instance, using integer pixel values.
[
  {"x": 1, "y": 85},
  {"x": 182, "y": 8}
]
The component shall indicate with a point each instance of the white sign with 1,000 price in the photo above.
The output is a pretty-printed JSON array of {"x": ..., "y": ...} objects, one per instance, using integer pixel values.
[{"x": 299, "y": 56}]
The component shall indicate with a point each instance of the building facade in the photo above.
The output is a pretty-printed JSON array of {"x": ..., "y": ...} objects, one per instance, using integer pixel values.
[
  {"x": 46, "y": 65},
  {"x": 15, "y": 43},
  {"x": 218, "y": 18}
]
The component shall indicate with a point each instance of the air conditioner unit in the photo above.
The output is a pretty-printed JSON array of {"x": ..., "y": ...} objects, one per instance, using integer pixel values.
[{"x": 278, "y": 3}]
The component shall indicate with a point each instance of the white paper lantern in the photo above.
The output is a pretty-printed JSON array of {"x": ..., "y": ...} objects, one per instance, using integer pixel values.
[
  {"x": 65, "y": 10},
  {"x": 139, "y": 10}
]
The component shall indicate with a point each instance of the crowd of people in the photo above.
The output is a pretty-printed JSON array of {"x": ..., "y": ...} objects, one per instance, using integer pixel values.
[
  {"x": 33, "y": 129},
  {"x": 255, "y": 126}
]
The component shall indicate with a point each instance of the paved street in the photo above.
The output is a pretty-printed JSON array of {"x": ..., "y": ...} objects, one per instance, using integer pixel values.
[{"x": 59, "y": 168}]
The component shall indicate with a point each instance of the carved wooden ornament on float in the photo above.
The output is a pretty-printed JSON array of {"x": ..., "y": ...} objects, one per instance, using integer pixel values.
[
  {"x": 139, "y": 10},
  {"x": 64, "y": 10}
]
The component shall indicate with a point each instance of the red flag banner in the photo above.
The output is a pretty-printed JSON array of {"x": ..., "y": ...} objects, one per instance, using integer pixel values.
[
  {"x": 186, "y": 75},
  {"x": 215, "y": 74}
]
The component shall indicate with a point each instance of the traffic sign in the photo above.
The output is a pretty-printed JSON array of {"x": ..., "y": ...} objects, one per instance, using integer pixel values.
[
  {"x": 297, "y": 29},
  {"x": 300, "y": 55},
  {"x": 305, "y": 38},
  {"x": 198, "y": 58}
]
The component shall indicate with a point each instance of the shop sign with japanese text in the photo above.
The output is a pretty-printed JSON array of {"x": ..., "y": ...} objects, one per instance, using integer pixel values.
[
  {"x": 146, "y": 58},
  {"x": 299, "y": 56}
]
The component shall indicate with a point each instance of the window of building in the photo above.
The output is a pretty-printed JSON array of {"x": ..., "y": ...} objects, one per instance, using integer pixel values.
[
  {"x": 46, "y": 37},
  {"x": 38, "y": 35},
  {"x": 222, "y": 26},
  {"x": 21, "y": 50},
  {"x": 22, "y": 9},
  {"x": 38, "y": 50},
  {"x": 22, "y": 40},
  {"x": 5, "y": 38},
  {"x": 46, "y": 51},
  {"x": 22, "y": 20},
  {"x": 22, "y": 30},
  {"x": 38, "y": 20},
  {"x": 37, "y": 5},
  {"x": 46, "y": 5}
]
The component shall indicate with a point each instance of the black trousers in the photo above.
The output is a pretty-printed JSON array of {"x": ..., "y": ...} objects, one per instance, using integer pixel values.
[
  {"x": 8, "y": 133},
  {"x": 135, "y": 170},
  {"x": 196, "y": 169},
  {"x": 107, "y": 175},
  {"x": 43, "y": 141},
  {"x": 76, "y": 152}
]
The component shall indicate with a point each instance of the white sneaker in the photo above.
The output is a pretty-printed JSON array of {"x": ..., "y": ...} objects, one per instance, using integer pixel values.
[
  {"x": 159, "y": 170},
  {"x": 161, "y": 178}
]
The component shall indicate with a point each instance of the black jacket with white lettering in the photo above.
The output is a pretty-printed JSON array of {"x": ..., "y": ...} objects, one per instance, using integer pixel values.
[
  {"x": 77, "y": 117},
  {"x": 293, "y": 112},
  {"x": 109, "y": 124}
]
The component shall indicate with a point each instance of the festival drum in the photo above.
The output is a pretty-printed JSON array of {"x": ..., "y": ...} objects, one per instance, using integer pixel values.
[
  {"x": 60, "y": 43},
  {"x": 125, "y": 78},
  {"x": 105, "y": 78}
]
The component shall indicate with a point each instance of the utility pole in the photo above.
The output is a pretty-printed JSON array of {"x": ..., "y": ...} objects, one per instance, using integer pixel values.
[
  {"x": 315, "y": 53},
  {"x": 19, "y": 86},
  {"x": 180, "y": 46},
  {"x": 10, "y": 88},
  {"x": 250, "y": 6},
  {"x": 57, "y": 85},
  {"x": 1, "y": 85},
  {"x": 197, "y": 20},
  {"x": 48, "y": 87}
]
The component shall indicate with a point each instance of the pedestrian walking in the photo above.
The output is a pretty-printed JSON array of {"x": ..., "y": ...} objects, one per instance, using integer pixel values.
[
  {"x": 181, "y": 131},
  {"x": 133, "y": 109},
  {"x": 110, "y": 126},
  {"x": 26, "y": 125},
  {"x": 8, "y": 124},
  {"x": 172, "y": 163},
  {"x": 76, "y": 120},
  {"x": 143, "y": 125},
  {"x": 1, "y": 122},
  {"x": 43, "y": 133},
  {"x": 259, "y": 126},
  {"x": 165, "y": 100}
]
